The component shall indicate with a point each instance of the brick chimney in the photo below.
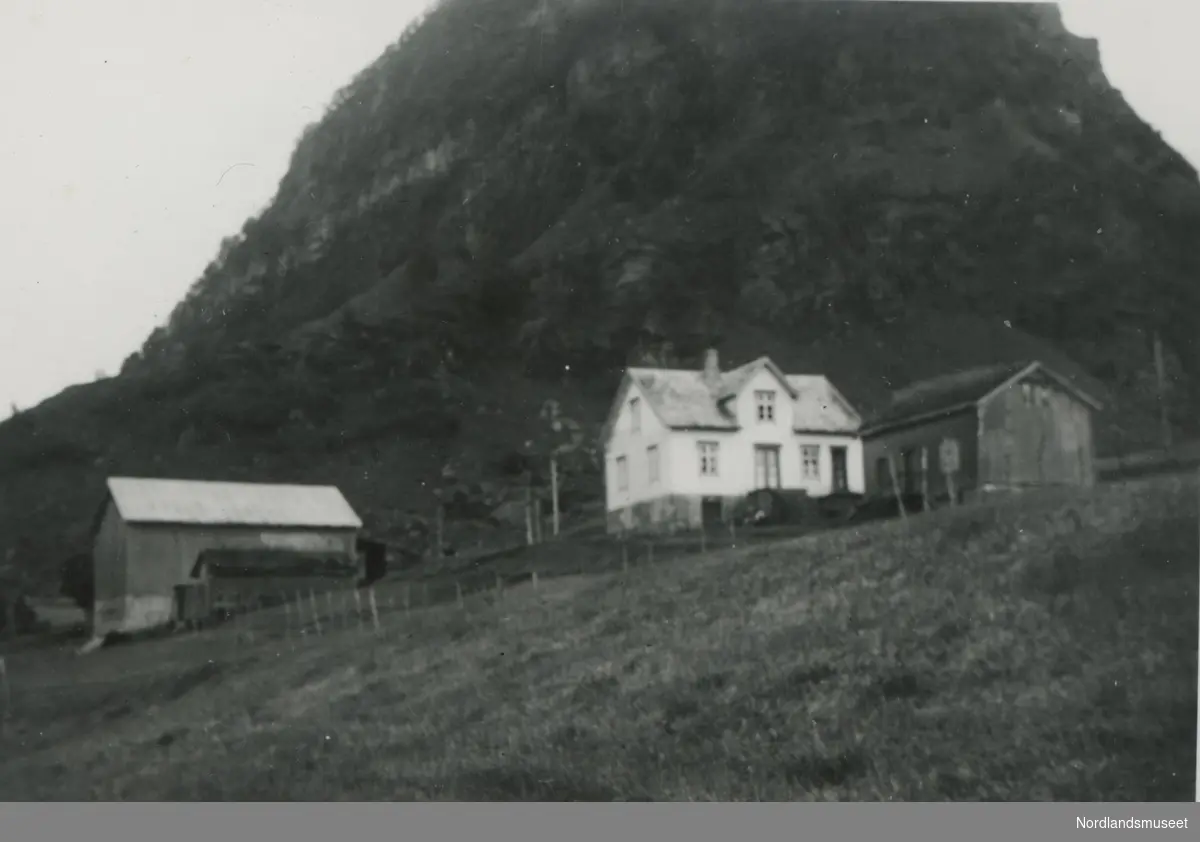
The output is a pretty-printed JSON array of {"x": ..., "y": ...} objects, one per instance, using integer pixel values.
[{"x": 712, "y": 369}]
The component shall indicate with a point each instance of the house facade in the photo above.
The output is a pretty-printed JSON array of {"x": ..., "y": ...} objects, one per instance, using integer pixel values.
[
  {"x": 1009, "y": 426},
  {"x": 682, "y": 447},
  {"x": 151, "y": 534}
]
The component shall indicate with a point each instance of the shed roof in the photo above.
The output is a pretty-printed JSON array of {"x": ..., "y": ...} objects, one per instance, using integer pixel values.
[
  {"x": 201, "y": 503},
  {"x": 960, "y": 390}
]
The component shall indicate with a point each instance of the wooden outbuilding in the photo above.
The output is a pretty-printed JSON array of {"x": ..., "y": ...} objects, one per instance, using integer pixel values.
[
  {"x": 1010, "y": 426},
  {"x": 153, "y": 532}
]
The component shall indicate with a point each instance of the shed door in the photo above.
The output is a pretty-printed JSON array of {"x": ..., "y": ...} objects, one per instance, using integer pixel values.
[
  {"x": 911, "y": 479},
  {"x": 840, "y": 482}
]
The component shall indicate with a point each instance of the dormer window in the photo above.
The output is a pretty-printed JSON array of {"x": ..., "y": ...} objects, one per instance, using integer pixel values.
[
  {"x": 764, "y": 401},
  {"x": 635, "y": 415}
]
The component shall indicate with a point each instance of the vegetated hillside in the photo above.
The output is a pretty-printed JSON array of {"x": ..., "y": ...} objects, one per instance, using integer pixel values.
[
  {"x": 1037, "y": 648},
  {"x": 521, "y": 196}
]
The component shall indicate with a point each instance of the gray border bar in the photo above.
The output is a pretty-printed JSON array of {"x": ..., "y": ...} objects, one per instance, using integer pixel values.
[{"x": 692, "y": 822}]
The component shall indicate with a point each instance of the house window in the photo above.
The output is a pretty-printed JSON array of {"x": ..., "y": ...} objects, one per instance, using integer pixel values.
[
  {"x": 810, "y": 461},
  {"x": 708, "y": 458},
  {"x": 635, "y": 415},
  {"x": 1027, "y": 391},
  {"x": 622, "y": 474},
  {"x": 765, "y": 402},
  {"x": 652, "y": 462}
]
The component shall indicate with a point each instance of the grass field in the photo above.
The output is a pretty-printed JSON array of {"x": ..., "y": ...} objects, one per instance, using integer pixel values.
[{"x": 1040, "y": 647}]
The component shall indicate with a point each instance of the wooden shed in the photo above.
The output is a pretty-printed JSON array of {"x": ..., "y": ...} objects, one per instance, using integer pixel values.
[
  {"x": 240, "y": 579},
  {"x": 1010, "y": 426},
  {"x": 152, "y": 533}
]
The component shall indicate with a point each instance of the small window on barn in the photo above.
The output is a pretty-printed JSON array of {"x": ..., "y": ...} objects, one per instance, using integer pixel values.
[
  {"x": 635, "y": 415},
  {"x": 810, "y": 461},
  {"x": 622, "y": 474},
  {"x": 708, "y": 458},
  {"x": 1027, "y": 391},
  {"x": 652, "y": 463},
  {"x": 765, "y": 403}
]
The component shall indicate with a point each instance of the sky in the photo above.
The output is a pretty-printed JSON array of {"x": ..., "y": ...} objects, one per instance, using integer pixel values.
[{"x": 137, "y": 134}]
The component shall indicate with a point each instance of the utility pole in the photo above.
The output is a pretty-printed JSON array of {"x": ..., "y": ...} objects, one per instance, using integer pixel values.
[{"x": 1161, "y": 373}]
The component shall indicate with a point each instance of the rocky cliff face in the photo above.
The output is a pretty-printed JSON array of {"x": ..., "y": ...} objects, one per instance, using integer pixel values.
[{"x": 527, "y": 193}]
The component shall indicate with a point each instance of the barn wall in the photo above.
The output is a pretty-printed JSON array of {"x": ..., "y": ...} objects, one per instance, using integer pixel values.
[
  {"x": 1036, "y": 433},
  {"x": 160, "y": 557},
  {"x": 108, "y": 569},
  {"x": 962, "y": 426}
]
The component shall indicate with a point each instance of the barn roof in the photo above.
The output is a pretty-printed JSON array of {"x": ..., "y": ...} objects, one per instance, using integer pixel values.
[
  {"x": 959, "y": 390},
  {"x": 193, "y": 502},
  {"x": 682, "y": 400}
]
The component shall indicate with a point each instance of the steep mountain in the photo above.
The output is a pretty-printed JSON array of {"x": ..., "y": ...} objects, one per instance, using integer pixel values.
[{"x": 521, "y": 196}]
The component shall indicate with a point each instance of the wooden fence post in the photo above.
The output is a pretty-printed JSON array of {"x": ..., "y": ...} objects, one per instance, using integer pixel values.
[
  {"x": 299, "y": 614},
  {"x": 528, "y": 515},
  {"x": 358, "y": 608},
  {"x": 554, "y": 492},
  {"x": 374, "y": 609},
  {"x": 896, "y": 489},
  {"x": 925, "y": 478},
  {"x": 312, "y": 598}
]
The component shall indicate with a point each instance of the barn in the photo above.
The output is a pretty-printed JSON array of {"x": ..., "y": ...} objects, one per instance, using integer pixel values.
[
  {"x": 151, "y": 534},
  {"x": 1008, "y": 426}
]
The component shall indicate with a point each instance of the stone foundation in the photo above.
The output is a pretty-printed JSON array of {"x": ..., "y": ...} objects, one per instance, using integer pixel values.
[
  {"x": 667, "y": 514},
  {"x": 131, "y": 613}
]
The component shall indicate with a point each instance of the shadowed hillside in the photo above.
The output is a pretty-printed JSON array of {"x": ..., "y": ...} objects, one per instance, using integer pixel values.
[{"x": 519, "y": 197}]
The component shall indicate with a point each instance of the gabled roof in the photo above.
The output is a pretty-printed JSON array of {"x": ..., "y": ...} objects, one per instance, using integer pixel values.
[
  {"x": 961, "y": 390},
  {"x": 174, "y": 501},
  {"x": 820, "y": 407},
  {"x": 681, "y": 400},
  {"x": 734, "y": 380}
]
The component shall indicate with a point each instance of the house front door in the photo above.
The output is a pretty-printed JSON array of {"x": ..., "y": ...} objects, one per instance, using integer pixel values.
[
  {"x": 840, "y": 480},
  {"x": 766, "y": 466}
]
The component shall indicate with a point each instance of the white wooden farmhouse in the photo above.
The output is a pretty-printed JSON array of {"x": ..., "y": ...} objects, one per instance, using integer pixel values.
[{"x": 682, "y": 447}]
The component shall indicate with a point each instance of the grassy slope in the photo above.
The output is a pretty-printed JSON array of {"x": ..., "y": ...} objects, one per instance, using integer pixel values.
[{"x": 1037, "y": 648}]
